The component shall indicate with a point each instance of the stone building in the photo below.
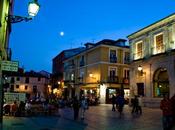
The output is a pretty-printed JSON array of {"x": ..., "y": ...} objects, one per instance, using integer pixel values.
[{"x": 152, "y": 54}]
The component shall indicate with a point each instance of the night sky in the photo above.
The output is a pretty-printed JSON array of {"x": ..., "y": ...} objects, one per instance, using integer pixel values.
[{"x": 34, "y": 44}]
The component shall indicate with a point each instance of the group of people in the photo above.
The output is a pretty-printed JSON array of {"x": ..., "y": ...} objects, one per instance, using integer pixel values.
[
  {"x": 167, "y": 105},
  {"x": 15, "y": 109},
  {"x": 137, "y": 105},
  {"x": 118, "y": 102}
]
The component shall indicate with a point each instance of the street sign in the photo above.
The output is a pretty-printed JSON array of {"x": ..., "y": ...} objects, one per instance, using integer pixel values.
[{"x": 9, "y": 65}]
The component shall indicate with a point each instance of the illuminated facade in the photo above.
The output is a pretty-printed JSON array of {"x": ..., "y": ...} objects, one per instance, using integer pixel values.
[
  {"x": 32, "y": 83},
  {"x": 153, "y": 50},
  {"x": 5, "y": 29},
  {"x": 98, "y": 71}
]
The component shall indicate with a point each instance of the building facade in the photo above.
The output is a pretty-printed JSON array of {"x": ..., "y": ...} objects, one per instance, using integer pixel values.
[
  {"x": 35, "y": 85},
  {"x": 153, "y": 61},
  {"x": 99, "y": 71},
  {"x": 58, "y": 68}
]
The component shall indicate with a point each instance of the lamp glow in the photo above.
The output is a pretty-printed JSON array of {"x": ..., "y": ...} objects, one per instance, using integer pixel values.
[
  {"x": 33, "y": 8},
  {"x": 139, "y": 68}
]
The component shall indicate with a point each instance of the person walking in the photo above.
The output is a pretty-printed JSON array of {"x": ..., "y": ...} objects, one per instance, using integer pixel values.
[
  {"x": 113, "y": 102},
  {"x": 140, "y": 104},
  {"x": 135, "y": 105},
  {"x": 76, "y": 106},
  {"x": 166, "y": 107},
  {"x": 84, "y": 107},
  {"x": 120, "y": 101}
]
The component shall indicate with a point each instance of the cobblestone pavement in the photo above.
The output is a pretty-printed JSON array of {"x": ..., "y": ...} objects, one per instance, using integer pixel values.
[{"x": 96, "y": 118}]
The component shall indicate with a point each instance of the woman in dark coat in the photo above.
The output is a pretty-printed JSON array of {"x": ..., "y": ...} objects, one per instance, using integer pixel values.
[{"x": 76, "y": 106}]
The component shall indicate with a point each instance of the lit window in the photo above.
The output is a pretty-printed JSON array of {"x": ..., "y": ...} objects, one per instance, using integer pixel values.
[
  {"x": 158, "y": 44},
  {"x": 139, "y": 51}
]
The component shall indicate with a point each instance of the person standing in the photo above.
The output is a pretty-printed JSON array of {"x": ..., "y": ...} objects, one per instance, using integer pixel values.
[
  {"x": 166, "y": 107},
  {"x": 84, "y": 107},
  {"x": 135, "y": 103},
  {"x": 120, "y": 101},
  {"x": 76, "y": 106},
  {"x": 140, "y": 104},
  {"x": 113, "y": 102}
]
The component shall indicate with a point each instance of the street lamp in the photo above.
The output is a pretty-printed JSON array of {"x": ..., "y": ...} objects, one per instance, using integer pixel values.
[{"x": 33, "y": 9}]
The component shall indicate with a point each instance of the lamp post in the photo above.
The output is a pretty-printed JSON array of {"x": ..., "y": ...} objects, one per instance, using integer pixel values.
[{"x": 33, "y": 9}]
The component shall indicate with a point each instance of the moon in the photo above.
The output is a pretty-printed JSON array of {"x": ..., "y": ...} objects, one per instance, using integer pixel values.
[{"x": 61, "y": 33}]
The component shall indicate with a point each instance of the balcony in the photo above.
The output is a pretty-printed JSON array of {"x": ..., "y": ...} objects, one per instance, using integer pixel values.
[
  {"x": 113, "y": 79},
  {"x": 113, "y": 59},
  {"x": 158, "y": 49},
  {"x": 71, "y": 66},
  {"x": 126, "y": 60},
  {"x": 82, "y": 63}
]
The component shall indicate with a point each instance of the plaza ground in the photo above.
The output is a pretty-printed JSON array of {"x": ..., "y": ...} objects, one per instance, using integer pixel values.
[{"x": 96, "y": 118}]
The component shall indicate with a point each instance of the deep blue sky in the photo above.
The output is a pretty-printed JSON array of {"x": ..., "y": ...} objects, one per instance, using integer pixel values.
[{"x": 36, "y": 43}]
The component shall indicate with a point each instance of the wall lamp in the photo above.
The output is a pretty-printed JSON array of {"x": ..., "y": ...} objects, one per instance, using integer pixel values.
[
  {"x": 140, "y": 70},
  {"x": 33, "y": 8}
]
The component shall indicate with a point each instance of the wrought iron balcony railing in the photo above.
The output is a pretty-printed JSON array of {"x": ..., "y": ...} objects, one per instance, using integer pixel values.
[
  {"x": 113, "y": 59},
  {"x": 113, "y": 79}
]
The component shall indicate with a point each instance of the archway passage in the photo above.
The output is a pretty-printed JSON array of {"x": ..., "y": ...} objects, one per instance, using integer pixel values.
[{"x": 160, "y": 82}]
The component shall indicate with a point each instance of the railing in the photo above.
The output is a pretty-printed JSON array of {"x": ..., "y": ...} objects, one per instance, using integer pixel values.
[
  {"x": 113, "y": 59},
  {"x": 113, "y": 79},
  {"x": 126, "y": 60}
]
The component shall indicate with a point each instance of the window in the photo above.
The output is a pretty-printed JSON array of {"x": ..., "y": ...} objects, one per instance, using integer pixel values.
[
  {"x": 72, "y": 77},
  {"x": 82, "y": 61},
  {"x": 17, "y": 78},
  {"x": 112, "y": 72},
  {"x": 27, "y": 80},
  {"x": 34, "y": 88},
  {"x": 112, "y": 75},
  {"x": 12, "y": 80},
  {"x": 17, "y": 86},
  {"x": 126, "y": 73},
  {"x": 158, "y": 44},
  {"x": 26, "y": 87},
  {"x": 139, "y": 50},
  {"x": 126, "y": 57},
  {"x": 12, "y": 88},
  {"x": 113, "y": 57},
  {"x": 39, "y": 79}
]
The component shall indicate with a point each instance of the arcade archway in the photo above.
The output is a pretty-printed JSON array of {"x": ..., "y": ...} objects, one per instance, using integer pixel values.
[{"x": 160, "y": 82}]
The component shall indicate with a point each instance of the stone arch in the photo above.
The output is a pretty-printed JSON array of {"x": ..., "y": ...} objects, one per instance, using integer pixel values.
[{"x": 160, "y": 82}]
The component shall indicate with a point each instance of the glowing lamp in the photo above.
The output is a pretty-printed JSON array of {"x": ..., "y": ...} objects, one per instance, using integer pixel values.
[{"x": 33, "y": 8}]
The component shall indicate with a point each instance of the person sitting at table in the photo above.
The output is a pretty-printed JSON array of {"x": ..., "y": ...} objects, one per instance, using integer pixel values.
[{"x": 14, "y": 108}]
